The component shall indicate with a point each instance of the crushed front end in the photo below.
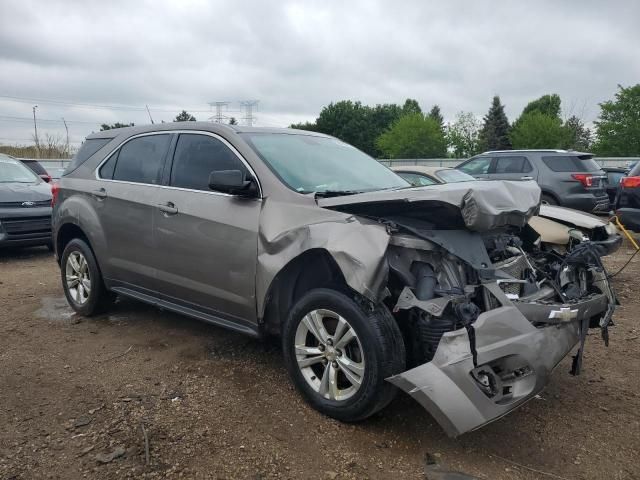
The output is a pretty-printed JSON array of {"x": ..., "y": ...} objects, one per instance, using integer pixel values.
[{"x": 487, "y": 316}]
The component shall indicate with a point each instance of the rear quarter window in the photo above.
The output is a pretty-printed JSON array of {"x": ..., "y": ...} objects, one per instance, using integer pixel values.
[
  {"x": 88, "y": 148},
  {"x": 571, "y": 163}
]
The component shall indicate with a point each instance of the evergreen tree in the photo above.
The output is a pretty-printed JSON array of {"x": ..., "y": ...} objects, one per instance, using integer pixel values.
[
  {"x": 436, "y": 114},
  {"x": 495, "y": 129},
  {"x": 184, "y": 116},
  {"x": 233, "y": 121}
]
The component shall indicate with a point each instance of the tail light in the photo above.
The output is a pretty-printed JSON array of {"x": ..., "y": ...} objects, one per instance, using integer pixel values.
[
  {"x": 55, "y": 188},
  {"x": 630, "y": 182},
  {"x": 586, "y": 179}
]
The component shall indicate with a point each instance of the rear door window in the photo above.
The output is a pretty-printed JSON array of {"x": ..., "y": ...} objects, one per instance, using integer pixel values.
[
  {"x": 571, "y": 163},
  {"x": 141, "y": 160},
  {"x": 196, "y": 156},
  {"x": 512, "y": 164},
  {"x": 476, "y": 166}
]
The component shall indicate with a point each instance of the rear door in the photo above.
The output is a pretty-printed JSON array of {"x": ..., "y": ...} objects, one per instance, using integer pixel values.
[
  {"x": 208, "y": 239},
  {"x": 125, "y": 201},
  {"x": 512, "y": 167}
]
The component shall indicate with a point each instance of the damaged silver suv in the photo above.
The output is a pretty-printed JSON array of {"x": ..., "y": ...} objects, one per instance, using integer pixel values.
[{"x": 446, "y": 292}]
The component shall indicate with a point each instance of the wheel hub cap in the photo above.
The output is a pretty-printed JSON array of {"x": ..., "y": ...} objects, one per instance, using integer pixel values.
[{"x": 329, "y": 355}]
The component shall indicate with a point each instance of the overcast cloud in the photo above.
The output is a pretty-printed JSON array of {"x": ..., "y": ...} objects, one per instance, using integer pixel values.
[{"x": 296, "y": 57}]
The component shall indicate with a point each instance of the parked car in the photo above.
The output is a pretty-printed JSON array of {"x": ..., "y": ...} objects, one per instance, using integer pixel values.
[
  {"x": 36, "y": 168},
  {"x": 627, "y": 206},
  {"x": 567, "y": 178},
  {"x": 420, "y": 176},
  {"x": 569, "y": 224},
  {"x": 444, "y": 292},
  {"x": 614, "y": 175},
  {"x": 25, "y": 205}
]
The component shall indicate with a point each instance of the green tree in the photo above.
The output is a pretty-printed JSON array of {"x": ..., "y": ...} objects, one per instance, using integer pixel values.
[
  {"x": 184, "y": 116},
  {"x": 233, "y": 121},
  {"x": 305, "y": 126},
  {"x": 463, "y": 135},
  {"x": 547, "y": 104},
  {"x": 411, "y": 106},
  {"x": 413, "y": 136},
  {"x": 538, "y": 130},
  {"x": 436, "y": 115},
  {"x": 578, "y": 136},
  {"x": 494, "y": 134},
  {"x": 106, "y": 126},
  {"x": 618, "y": 126},
  {"x": 349, "y": 121}
]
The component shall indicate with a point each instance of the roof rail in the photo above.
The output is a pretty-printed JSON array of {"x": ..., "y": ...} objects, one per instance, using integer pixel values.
[{"x": 554, "y": 150}]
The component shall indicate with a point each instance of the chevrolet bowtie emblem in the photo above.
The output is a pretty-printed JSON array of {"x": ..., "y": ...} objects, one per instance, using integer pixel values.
[{"x": 565, "y": 314}]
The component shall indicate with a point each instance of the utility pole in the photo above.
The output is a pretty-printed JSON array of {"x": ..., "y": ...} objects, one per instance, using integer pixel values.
[
  {"x": 149, "y": 114},
  {"x": 218, "y": 116},
  {"x": 35, "y": 128},
  {"x": 66, "y": 148},
  {"x": 248, "y": 105}
]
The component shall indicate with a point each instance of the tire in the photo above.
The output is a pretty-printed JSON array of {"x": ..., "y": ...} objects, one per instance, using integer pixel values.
[
  {"x": 378, "y": 343},
  {"x": 98, "y": 298},
  {"x": 548, "y": 199}
]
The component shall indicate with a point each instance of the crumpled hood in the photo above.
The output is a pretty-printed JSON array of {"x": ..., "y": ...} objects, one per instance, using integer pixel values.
[
  {"x": 24, "y": 192},
  {"x": 479, "y": 206},
  {"x": 574, "y": 217}
]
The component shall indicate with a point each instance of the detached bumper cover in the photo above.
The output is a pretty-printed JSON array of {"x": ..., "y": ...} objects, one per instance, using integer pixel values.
[{"x": 514, "y": 362}]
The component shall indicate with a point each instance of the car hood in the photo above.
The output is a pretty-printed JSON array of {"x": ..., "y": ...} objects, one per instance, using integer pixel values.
[
  {"x": 24, "y": 192},
  {"x": 573, "y": 217},
  {"x": 478, "y": 206}
]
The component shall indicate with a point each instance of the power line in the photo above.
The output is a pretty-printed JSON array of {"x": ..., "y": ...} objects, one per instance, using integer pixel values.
[
  {"x": 131, "y": 108},
  {"x": 218, "y": 116}
]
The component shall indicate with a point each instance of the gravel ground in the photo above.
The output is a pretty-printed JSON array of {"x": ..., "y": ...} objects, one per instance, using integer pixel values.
[{"x": 79, "y": 397}]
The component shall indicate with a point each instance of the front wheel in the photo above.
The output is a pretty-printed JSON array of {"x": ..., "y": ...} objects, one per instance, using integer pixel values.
[{"x": 338, "y": 353}]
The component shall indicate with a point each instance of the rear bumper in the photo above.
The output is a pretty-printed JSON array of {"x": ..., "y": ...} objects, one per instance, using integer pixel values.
[
  {"x": 514, "y": 358},
  {"x": 630, "y": 218},
  {"x": 587, "y": 202}
]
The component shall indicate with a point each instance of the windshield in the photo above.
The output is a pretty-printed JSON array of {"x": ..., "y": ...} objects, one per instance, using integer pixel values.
[
  {"x": 308, "y": 164},
  {"x": 454, "y": 176},
  {"x": 12, "y": 171}
]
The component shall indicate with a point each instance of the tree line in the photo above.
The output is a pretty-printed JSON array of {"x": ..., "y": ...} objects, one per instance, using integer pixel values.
[{"x": 395, "y": 131}]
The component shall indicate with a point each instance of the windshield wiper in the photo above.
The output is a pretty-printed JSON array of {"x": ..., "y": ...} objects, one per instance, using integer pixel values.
[{"x": 335, "y": 193}]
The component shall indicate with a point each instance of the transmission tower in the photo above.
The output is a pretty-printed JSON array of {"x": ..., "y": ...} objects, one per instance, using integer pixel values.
[
  {"x": 218, "y": 117},
  {"x": 248, "y": 105}
]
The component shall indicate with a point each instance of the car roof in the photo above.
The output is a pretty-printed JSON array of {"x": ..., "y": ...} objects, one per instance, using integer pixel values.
[
  {"x": 219, "y": 128},
  {"x": 535, "y": 150},
  {"x": 427, "y": 170}
]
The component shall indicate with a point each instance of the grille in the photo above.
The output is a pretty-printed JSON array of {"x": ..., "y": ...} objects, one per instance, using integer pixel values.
[
  {"x": 40, "y": 203},
  {"x": 20, "y": 226},
  {"x": 514, "y": 266}
]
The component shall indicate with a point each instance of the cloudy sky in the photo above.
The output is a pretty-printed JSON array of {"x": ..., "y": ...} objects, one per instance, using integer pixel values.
[{"x": 93, "y": 62}]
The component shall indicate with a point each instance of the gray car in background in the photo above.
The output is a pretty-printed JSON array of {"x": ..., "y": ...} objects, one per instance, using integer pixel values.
[
  {"x": 566, "y": 178},
  {"x": 445, "y": 292}
]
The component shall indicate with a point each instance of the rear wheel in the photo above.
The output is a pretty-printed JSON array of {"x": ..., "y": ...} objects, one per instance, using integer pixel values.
[
  {"x": 339, "y": 352},
  {"x": 548, "y": 199},
  {"x": 82, "y": 281}
]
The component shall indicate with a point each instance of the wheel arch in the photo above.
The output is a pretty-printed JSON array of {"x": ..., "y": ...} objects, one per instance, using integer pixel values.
[
  {"x": 549, "y": 193},
  {"x": 314, "y": 268}
]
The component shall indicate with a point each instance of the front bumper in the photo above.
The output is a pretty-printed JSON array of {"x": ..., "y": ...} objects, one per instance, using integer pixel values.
[
  {"x": 514, "y": 362},
  {"x": 25, "y": 226}
]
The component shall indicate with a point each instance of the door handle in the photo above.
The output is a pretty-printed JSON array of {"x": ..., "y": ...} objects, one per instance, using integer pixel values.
[
  {"x": 169, "y": 208},
  {"x": 526, "y": 178},
  {"x": 100, "y": 193}
]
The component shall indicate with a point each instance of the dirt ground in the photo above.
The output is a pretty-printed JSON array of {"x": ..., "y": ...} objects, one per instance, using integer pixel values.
[{"x": 76, "y": 394}]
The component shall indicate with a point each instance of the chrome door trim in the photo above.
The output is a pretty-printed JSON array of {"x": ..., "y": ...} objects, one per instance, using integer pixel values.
[{"x": 169, "y": 132}]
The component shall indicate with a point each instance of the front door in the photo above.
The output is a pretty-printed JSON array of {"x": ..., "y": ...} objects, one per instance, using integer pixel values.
[{"x": 207, "y": 241}]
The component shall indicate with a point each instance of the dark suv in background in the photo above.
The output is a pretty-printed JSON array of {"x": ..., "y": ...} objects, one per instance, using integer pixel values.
[
  {"x": 627, "y": 204},
  {"x": 566, "y": 178}
]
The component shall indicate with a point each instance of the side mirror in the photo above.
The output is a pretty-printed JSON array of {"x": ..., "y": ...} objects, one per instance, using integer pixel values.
[{"x": 231, "y": 181}]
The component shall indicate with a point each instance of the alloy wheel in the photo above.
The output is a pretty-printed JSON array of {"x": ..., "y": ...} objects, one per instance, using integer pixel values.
[
  {"x": 329, "y": 354},
  {"x": 78, "y": 277}
]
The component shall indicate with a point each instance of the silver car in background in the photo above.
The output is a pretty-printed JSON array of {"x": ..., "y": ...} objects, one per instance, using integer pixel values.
[{"x": 445, "y": 292}]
